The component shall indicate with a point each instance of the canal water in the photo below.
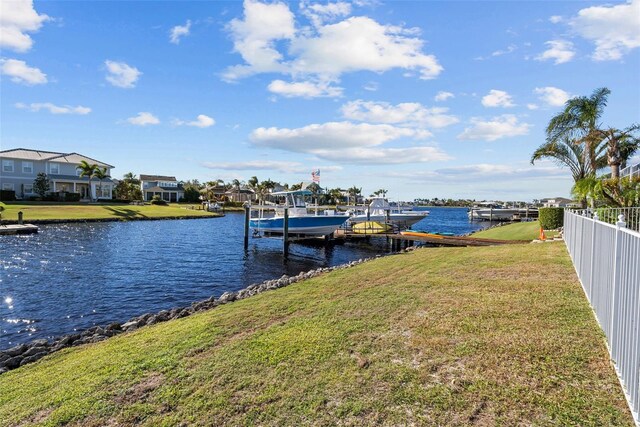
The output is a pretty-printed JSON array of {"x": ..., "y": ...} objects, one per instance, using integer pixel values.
[{"x": 70, "y": 277}]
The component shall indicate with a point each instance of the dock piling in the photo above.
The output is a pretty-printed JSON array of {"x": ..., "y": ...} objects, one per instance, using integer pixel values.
[
  {"x": 20, "y": 218},
  {"x": 285, "y": 233},
  {"x": 247, "y": 213}
]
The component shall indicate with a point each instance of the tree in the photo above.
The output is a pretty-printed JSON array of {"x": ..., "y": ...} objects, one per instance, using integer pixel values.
[
  {"x": 88, "y": 170},
  {"x": 100, "y": 174},
  {"x": 41, "y": 184},
  {"x": 565, "y": 153},
  {"x": 354, "y": 192},
  {"x": 579, "y": 123},
  {"x": 128, "y": 188},
  {"x": 621, "y": 145}
]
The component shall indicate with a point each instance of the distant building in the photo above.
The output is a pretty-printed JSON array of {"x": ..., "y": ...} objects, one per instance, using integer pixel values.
[
  {"x": 558, "y": 202},
  {"x": 242, "y": 194},
  {"x": 20, "y": 166},
  {"x": 167, "y": 187}
]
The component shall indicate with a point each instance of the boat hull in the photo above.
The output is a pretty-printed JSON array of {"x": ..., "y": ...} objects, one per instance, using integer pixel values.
[
  {"x": 305, "y": 225},
  {"x": 405, "y": 220}
]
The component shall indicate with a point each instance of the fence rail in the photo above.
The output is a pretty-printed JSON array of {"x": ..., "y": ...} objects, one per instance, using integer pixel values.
[
  {"x": 607, "y": 260},
  {"x": 630, "y": 171},
  {"x": 611, "y": 215}
]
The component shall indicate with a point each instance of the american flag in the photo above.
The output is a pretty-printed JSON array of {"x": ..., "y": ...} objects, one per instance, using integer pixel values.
[{"x": 315, "y": 175}]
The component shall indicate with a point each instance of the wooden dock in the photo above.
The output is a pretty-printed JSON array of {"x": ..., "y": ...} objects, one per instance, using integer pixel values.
[
  {"x": 434, "y": 239},
  {"x": 18, "y": 229}
]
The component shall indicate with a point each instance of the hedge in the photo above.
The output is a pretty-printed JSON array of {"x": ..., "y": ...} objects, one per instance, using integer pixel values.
[{"x": 551, "y": 218}]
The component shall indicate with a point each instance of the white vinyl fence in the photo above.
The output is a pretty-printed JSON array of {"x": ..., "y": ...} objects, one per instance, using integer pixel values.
[{"x": 607, "y": 260}]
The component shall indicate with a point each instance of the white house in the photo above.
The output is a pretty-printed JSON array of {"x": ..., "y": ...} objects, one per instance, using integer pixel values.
[
  {"x": 167, "y": 187},
  {"x": 20, "y": 166}
]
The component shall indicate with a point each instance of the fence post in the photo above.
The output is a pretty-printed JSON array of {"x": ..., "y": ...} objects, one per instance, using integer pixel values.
[
  {"x": 593, "y": 253},
  {"x": 616, "y": 282}
]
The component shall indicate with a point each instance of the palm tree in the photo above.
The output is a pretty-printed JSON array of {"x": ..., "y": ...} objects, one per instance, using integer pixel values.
[
  {"x": 101, "y": 173},
  {"x": 88, "y": 170},
  {"x": 565, "y": 153},
  {"x": 353, "y": 192},
  {"x": 621, "y": 145},
  {"x": 579, "y": 122}
]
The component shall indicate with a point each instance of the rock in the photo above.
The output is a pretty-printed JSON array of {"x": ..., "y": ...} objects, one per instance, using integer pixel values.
[
  {"x": 3, "y": 370},
  {"x": 4, "y": 356},
  {"x": 35, "y": 350},
  {"x": 131, "y": 324},
  {"x": 12, "y": 363},
  {"x": 33, "y": 358},
  {"x": 14, "y": 351},
  {"x": 114, "y": 327},
  {"x": 227, "y": 297},
  {"x": 39, "y": 343}
]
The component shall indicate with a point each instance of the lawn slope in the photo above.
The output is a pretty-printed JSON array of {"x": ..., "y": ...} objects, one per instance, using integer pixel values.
[
  {"x": 110, "y": 211},
  {"x": 448, "y": 336},
  {"x": 515, "y": 231}
]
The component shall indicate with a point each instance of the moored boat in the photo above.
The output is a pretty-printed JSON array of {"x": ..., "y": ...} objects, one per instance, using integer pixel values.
[
  {"x": 300, "y": 222},
  {"x": 379, "y": 210}
]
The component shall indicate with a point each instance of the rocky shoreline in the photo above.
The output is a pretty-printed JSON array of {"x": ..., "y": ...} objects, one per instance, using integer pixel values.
[
  {"x": 23, "y": 354},
  {"x": 116, "y": 219}
]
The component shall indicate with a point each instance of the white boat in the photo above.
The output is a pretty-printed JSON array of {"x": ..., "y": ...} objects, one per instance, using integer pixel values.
[
  {"x": 379, "y": 210},
  {"x": 270, "y": 219},
  {"x": 498, "y": 213}
]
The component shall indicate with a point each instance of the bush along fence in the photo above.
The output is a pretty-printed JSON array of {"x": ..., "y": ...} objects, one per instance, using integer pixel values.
[
  {"x": 607, "y": 260},
  {"x": 551, "y": 218}
]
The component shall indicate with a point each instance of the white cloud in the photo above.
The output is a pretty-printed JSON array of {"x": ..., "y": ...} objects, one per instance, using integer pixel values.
[
  {"x": 613, "y": 29},
  {"x": 483, "y": 172},
  {"x": 306, "y": 89},
  {"x": 360, "y": 43},
  {"x": 510, "y": 49},
  {"x": 20, "y": 72},
  {"x": 121, "y": 74},
  {"x": 532, "y": 106},
  {"x": 274, "y": 165},
  {"x": 254, "y": 38},
  {"x": 179, "y": 31},
  {"x": 503, "y": 126},
  {"x": 54, "y": 109},
  {"x": 346, "y": 142},
  {"x": 320, "y": 13},
  {"x": 555, "y": 19},
  {"x": 497, "y": 98},
  {"x": 552, "y": 95},
  {"x": 371, "y": 86},
  {"x": 144, "y": 119},
  {"x": 443, "y": 96},
  {"x": 560, "y": 51},
  {"x": 201, "y": 121},
  {"x": 410, "y": 113},
  {"x": 18, "y": 18},
  {"x": 325, "y": 51}
]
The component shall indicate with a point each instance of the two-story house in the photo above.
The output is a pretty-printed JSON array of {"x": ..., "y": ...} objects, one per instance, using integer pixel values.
[
  {"x": 167, "y": 187},
  {"x": 19, "y": 168}
]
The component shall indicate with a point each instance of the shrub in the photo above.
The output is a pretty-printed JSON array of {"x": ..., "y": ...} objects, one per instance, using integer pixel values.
[
  {"x": 7, "y": 195},
  {"x": 156, "y": 200},
  {"x": 72, "y": 197},
  {"x": 551, "y": 218}
]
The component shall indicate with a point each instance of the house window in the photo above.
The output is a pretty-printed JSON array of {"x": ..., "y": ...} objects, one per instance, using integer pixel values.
[
  {"x": 27, "y": 167},
  {"x": 7, "y": 186},
  {"x": 7, "y": 166},
  {"x": 54, "y": 168},
  {"x": 104, "y": 193},
  {"x": 28, "y": 189},
  {"x": 78, "y": 171}
]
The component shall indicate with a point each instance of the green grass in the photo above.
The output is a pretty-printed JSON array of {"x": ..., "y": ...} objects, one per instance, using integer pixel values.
[
  {"x": 450, "y": 336},
  {"x": 515, "y": 231},
  {"x": 75, "y": 211}
]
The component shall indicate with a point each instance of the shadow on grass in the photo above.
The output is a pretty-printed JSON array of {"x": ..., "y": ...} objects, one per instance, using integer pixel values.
[{"x": 125, "y": 213}]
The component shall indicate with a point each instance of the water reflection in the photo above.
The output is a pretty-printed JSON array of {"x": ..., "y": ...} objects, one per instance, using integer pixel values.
[{"x": 73, "y": 276}]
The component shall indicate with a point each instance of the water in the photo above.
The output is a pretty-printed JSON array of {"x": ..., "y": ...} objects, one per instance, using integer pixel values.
[{"x": 70, "y": 277}]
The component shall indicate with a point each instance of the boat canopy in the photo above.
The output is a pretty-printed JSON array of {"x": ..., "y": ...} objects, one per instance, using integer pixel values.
[{"x": 293, "y": 193}]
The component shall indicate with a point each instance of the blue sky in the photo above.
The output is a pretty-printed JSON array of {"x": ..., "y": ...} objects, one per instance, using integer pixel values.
[{"x": 425, "y": 99}]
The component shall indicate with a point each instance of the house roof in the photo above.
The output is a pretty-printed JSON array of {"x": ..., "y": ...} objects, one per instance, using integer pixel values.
[
  {"x": 29, "y": 154},
  {"x": 157, "y": 178},
  {"x": 76, "y": 178}
]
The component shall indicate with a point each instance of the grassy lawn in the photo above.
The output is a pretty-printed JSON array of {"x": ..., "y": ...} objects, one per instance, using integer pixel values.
[
  {"x": 49, "y": 211},
  {"x": 515, "y": 231},
  {"x": 450, "y": 336}
]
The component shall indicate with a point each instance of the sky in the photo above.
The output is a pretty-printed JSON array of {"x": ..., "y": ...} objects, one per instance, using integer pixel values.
[{"x": 425, "y": 99}]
